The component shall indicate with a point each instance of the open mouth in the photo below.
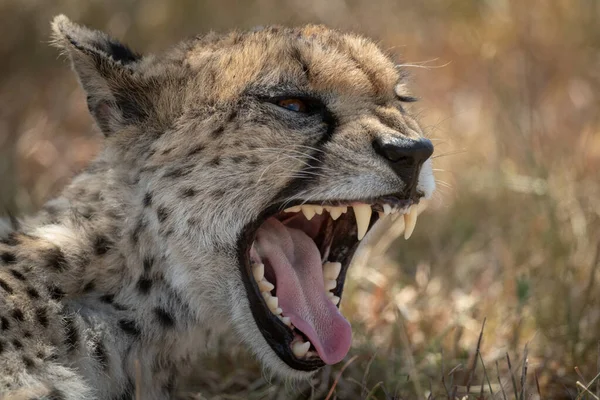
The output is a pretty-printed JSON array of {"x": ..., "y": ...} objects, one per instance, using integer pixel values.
[{"x": 295, "y": 263}]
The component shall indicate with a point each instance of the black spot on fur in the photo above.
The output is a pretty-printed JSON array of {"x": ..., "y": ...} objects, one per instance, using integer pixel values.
[
  {"x": 177, "y": 173},
  {"x": 6, "y": 287},
  {"x": 137, "y": 231},
  {"x": 11, "y": 240},
  {"x": 29, "y": 363},
  {"x": 119, "y": 307},
  {"x": 144, "y": 284},
  {"x": 162, "y": 213},
  {"x": 107, "y": 298},
  {"x": 18, "y": 315},
  {"x": 71, "y": 332},
  {"x": 32, "y": 293},
  {"x": 2, "y": 346},
  {"x": 195, "y": 150},
  {"x": 4, "y": 324},
  {"x": 148, "y": 261},
  {"x": 8, "y": 258},
  {"x": 189, "y": 192},
  {"x": 27, "y": 335},
  {"x": 41, "y": 315},
  {"x": 89, "y": 287},
  {"x": 237, "y": 159},
  {"x": 217, "y": 132},
  {"x": 128, "y": 326},
  {"x": 17, "y": 344},
  {"x": 215, "y": 162},
  {"x": 101, "y": 245},
  {"x": 56, "y": 293},
  {"x": 218, "y": 193},
  {"x": 55, "y": 259},
  {"x": 232, "y": 116},
  {"x": 100, "y": 354},
  {"x": 55, "y": 394},
  {"x": 164, "y": 317},
  {"x": 166, "y": 151},
  {"x": 147, "y": 199}
]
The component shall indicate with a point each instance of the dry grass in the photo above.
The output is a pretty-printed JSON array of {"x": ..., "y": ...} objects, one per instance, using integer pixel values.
[{"x": 510, "y": 97}]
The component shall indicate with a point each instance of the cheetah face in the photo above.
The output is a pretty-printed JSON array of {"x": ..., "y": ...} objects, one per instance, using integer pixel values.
[{"x": 270, "y": 155}]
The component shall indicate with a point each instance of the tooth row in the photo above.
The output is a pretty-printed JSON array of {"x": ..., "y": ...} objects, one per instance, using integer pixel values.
[
  {"x": 362, "y": 213},
  {"x": 331, "y": 271},
  {"x": 309, "y": 210},
  {"x": 265, "y": 287}
]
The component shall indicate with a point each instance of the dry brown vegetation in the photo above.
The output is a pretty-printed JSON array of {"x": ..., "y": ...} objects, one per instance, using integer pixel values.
[{"x": 509, "y": 93}]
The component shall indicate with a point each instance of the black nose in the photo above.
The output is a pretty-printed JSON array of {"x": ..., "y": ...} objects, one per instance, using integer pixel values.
[{"x": 404, "y": 152}]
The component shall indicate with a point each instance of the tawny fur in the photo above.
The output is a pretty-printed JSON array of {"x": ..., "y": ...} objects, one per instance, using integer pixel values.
[{"x": 136, "y": 262}]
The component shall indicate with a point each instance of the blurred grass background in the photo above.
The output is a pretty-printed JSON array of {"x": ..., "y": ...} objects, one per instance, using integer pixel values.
[{"x": 509, "y": 94}]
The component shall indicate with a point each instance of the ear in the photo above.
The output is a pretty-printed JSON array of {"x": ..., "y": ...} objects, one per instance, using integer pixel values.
[{"x": 107, "y": 71}]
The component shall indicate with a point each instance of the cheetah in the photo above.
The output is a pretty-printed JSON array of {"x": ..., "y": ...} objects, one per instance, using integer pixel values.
[{"x": 239, "y": 174}]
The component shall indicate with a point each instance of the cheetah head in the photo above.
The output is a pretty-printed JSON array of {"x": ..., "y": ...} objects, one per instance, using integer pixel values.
[{"x": 267, "y": 155}]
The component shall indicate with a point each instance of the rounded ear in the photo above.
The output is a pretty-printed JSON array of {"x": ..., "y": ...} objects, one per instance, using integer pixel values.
[{"x": 106, "y": 71}]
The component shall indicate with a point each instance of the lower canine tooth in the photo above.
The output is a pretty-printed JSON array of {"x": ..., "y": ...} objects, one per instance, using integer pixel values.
[
  {"x": 300, "y": 348},
  {"x": 362, "y": 212},
  {"x": 258, "y": 270},
  {"x": 308, "y": 212},
  {"x": 410, "y": 221},
  {"x": 265, "y": 286}
]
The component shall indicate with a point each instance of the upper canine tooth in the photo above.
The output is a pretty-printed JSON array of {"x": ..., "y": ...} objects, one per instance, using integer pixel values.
[
  {"x": 308, "y": 211},
  {"x": 300, "y": 348},
  {"x": 331, "y": 270},
  {"x": 258, "y": 271},
  {"x": 410, "y": 221},
  {"x": 362, "y": 212},
  {"x": 292, "y": 209},
  {"x": 387, "y": 209},
  {"x": 265, "y": 286}
]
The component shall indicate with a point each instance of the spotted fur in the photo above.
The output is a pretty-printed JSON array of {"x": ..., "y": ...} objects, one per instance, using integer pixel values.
[{"x": 116, "y": 284}]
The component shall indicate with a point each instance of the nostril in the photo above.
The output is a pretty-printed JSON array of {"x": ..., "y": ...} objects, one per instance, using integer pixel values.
[{"x": 404, "y": 151}]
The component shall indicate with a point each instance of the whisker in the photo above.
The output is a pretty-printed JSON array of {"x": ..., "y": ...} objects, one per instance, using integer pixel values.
[{"x": 452, "y": 153}]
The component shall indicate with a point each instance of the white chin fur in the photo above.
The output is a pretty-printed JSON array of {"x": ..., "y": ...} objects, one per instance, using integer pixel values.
[
  {"x": 426, "y": 183},
  {"x": 246, "y": 329}
]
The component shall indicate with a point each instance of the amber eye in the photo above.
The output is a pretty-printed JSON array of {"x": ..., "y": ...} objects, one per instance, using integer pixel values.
[{"x": 296, "y": 105}]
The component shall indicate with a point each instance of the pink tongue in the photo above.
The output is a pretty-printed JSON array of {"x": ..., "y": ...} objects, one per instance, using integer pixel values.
[{"x": 296, "y": 261}]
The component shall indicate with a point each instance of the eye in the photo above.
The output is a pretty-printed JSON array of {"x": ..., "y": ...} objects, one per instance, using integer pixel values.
[{"x": 296, "y": 105}]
